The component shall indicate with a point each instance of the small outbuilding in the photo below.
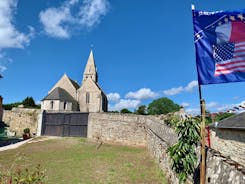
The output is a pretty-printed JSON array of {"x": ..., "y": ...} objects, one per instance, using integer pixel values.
[{"x": 228, "y": 137}]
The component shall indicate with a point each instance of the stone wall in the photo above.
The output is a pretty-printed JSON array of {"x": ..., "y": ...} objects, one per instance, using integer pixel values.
[
  {"x": 20, "y": 118},
  {"x": 117, "y": 129},
  {"x": 230, "y": 143},
  {"x": 157, "y": 147},
  {"x": 223, "y": 170}
]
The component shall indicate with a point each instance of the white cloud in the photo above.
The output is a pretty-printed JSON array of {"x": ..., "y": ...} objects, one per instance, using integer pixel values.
[
  {"x": 92, "y": 11},
  {"x": 125, "y": 104},
  {"x": 177, "y": 90},
  {"x": 56, "y": 20},
  {"x": 61, "y": 21},
  {"x": 10, "y": 37},
  {"x": 185, "y": 104},
  {"x": 193, "y": 111},
  {"x": 226, "y": 107},
  {"x": 113, "y": 97},
  {"x": 191, "y": 85},
  {"x": 143, "y": 93},
  {"x": 211, "y": 104},
  {"x": 2, "y": 68},
  {"x": 173, "y": 91}
]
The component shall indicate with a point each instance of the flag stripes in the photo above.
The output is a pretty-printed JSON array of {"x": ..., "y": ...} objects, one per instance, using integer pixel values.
[{"x": 229, "y": 58}]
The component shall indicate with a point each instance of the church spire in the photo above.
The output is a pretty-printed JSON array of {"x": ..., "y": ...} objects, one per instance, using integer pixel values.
[{"x": 90, "y": 69}]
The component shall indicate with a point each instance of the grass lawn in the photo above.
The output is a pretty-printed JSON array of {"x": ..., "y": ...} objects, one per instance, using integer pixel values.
[{"x": 74, "y": 161}]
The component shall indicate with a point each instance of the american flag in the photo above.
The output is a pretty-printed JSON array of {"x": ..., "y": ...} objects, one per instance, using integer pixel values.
[{"x": 229, "y": 57}]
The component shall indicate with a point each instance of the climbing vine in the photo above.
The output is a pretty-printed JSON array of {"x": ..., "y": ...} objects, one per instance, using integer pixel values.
[{"x": 183, "y": 153}]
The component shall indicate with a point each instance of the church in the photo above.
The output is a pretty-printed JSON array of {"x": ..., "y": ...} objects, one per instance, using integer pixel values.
[{"x": 67, "y": 95}]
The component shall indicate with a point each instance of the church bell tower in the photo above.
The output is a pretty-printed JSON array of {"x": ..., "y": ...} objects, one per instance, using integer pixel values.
[{"x": 90, "y": 69}]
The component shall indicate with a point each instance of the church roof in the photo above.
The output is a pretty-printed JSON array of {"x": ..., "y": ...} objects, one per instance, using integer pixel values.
[
  {"x": 234, "y": 122},
  {"x": 59, "y": 94},
  {"x": 74, "y": 83}
]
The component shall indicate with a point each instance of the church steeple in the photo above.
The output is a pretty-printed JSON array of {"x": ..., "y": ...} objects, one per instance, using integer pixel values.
[{"x": 90, "y": 69}]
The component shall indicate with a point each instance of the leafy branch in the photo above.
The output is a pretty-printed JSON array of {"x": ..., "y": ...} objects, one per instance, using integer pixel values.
[{"x": 183, "y": 153}]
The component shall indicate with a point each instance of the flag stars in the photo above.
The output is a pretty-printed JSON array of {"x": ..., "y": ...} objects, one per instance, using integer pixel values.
[
  {"x": 226, "y": 20},
  {"x": 232, "y": 18},
  {"x": 240, "y": 16},
  {"x": 220, "y": 23},
  {"x": 198, "y": 36}
]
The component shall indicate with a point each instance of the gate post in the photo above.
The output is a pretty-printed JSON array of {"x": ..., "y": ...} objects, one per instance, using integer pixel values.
[{"x": 40, "y": 123}]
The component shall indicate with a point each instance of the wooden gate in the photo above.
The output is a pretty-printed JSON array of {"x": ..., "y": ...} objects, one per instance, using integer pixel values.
[{"x": 72, "y": 124}]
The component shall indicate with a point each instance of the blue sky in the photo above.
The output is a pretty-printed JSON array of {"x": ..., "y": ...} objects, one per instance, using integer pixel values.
[{"x": 143, "y": 50}]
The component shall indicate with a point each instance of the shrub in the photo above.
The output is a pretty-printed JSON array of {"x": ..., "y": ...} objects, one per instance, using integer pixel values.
[
  {"x": 26, "y": 130},
  {"x": 183, "y": 153},
  {"x": 24, "y": 176}
]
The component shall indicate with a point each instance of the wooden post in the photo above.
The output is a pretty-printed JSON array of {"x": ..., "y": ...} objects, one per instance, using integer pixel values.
[
  {"x": 203, "y": 153},
  {"x": 202, "y": 130}
]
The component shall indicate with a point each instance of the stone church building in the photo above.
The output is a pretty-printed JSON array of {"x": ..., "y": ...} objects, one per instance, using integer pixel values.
[{"x": 67, "y": 95}]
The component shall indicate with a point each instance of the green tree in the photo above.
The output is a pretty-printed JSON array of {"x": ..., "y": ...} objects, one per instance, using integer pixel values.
[
  {"x": 162, "y": 106},
  {"x": 141, "y": 110},
  {"x": 29, "y": 102},
  {"x": 11, "y": 105},
  {"x": 125, "y": 111},
  {"x": 224, "y": 115}
]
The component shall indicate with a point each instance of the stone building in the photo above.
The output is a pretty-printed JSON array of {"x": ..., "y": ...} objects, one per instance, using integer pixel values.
[
  {"x": 228, "y": 137},
  {"x": 67, "y": 95}
]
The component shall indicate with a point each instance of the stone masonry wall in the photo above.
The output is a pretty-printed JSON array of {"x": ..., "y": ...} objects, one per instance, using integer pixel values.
[
  {"x": 117, "y": 129},
  {"x": 230, "y": 143},
  {"x": 20, "y": 118},
  {"x": 223, "y": 170}
]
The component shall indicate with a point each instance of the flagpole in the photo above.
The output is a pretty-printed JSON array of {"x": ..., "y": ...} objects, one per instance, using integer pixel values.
[
  {"x": 202, "y": 129},
  {"x": 202, "y": 133}
]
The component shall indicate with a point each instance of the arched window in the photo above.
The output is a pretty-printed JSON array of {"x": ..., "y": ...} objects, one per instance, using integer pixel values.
[
  {"x": 65, "y": 105},
  {"x": 87, "y": 98},
  {"x": 52, "y": 105}
]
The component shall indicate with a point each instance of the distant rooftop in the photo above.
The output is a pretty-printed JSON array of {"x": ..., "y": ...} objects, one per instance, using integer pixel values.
[{"x": 233, "y": 122}]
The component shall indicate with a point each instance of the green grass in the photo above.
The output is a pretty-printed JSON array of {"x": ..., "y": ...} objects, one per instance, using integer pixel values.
[{"x": 74, "y": 161}]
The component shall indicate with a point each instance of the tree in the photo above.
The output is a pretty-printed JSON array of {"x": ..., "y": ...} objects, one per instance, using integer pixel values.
[
  {"x": 141, "y": 110},
  {"x": 224, "y": 115},
  {"x": 162, "y": 106},
  {"x": 125, "y": 111},
  {"x": 29, "y": 102}
]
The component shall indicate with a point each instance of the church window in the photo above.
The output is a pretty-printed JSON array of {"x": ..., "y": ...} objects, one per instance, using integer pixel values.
[
  {"x": 65, "y": 105},
  {"x": 87, "y": 97},
  {"x": 51, "y": 104}
]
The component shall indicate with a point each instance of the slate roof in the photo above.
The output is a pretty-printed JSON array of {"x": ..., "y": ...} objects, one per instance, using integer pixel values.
[
  {"x": 75, "y": 84},
  {"x": 59, "y": 94},
  {"x": 234, "y": 122}
]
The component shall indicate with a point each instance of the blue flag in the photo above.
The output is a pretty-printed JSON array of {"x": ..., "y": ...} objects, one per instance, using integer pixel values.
[{"x": 219, "y": 39}]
